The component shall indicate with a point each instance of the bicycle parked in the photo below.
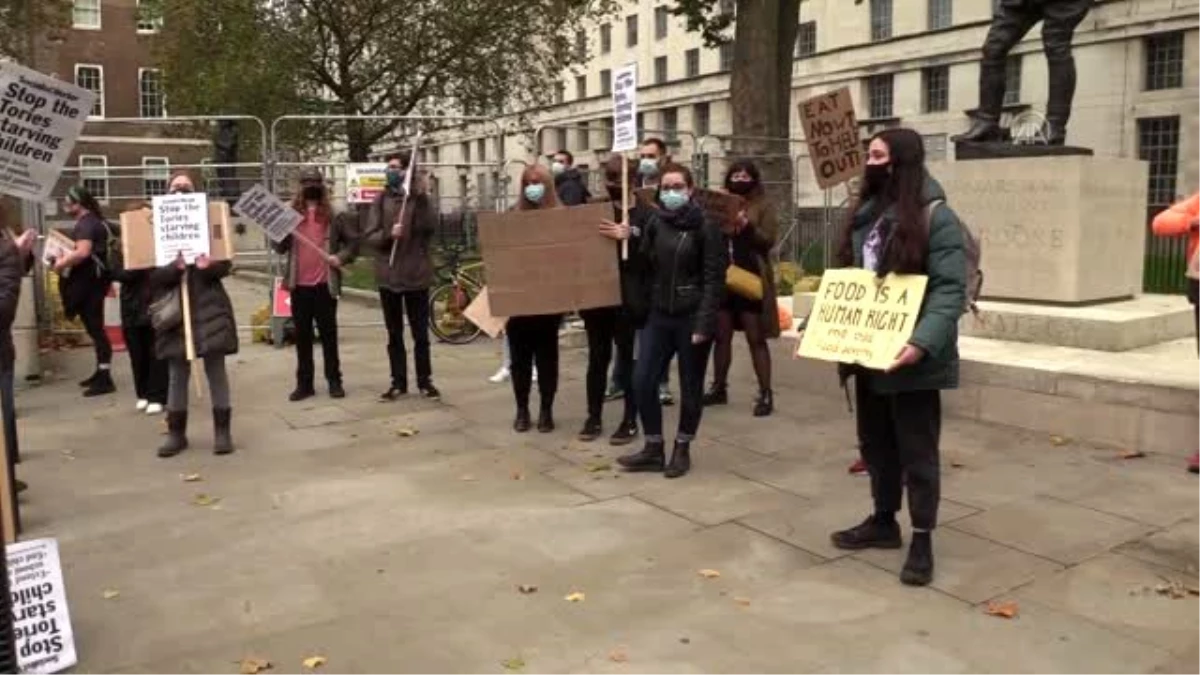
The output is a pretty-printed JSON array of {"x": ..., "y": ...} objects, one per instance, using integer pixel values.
[{"x": 459, "y": 284}]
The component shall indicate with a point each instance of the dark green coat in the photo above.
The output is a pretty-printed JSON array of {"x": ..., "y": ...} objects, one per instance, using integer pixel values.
[{"x": 936, "y": 331}]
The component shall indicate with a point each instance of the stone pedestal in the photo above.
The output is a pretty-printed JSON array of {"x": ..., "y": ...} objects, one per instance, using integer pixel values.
[{"x": 1066, "y": 230}]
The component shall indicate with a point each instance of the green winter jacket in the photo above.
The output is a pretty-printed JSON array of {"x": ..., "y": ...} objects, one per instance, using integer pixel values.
[{"x": 936, "y": 331}]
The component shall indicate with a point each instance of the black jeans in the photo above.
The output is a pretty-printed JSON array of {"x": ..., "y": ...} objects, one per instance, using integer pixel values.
[
  {"x": 314, "y": 305},
  {"x": 605, "y": 327},
  {"x": 899, "y": 435},
  {"x": 530, "y": 339},
  {"x": 92, "y": 317},
  {"x": 1193, "y": 296},
  {"x": 414, "y": 304},
  {"x": 149, "y": 371},
  {"x": 665, "y": 337}
]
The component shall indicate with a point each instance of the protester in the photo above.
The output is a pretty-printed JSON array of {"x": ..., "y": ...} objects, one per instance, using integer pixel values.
[
  {"x": 405, "y": 277},
  {"x": 213, "y": 332},
  {"x": 149, "y": 371},
  {"x": 85, "y": 279},
  {"x": 569, "y": 184},
  {"x": 1183, "y": 219},
  {"x": 749, "y": 240},
  {"x": 896, "y": 226},
  {"x": 16, "y": 259},
  {"x": 609, "y": 326},
  {"x": 313, "y": 275},
  {"x": 685, "y": 270},
  {"x": 652, "y": 157},
  {"x": 535, "y": 338}
]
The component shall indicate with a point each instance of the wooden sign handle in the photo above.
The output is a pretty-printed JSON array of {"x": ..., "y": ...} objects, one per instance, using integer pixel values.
[
  {"x": 189, "y": 341},
  {"x": 624, "y": 204}
]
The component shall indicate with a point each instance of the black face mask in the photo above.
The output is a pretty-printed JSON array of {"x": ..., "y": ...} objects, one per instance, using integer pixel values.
[
  {"x": 741, "y": 187},
  {"x": 314, "y": 193},
  {"x": 875, "y": 178}
]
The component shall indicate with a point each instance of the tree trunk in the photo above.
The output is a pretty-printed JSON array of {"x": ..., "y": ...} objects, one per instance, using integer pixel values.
[{"x": 357, "y": 144}]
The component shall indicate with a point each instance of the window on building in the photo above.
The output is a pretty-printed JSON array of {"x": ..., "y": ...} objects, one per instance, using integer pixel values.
[
  {"x": 806, "y": 39},
  {"x": 670, "y": 123},
  {"x": 631, "y": 30},
  {"x": 156, "y": 171},
  {"x": 481, "y": 149},
  {"x": 560, "y": 93},
  {"x": 464, "y": 149},
  {"x": 605, "y": 38},
  {"x": 152, "y": 100},
  {"x": 605, "y": 82},
  {"x": 940, "y": 14},
  {"x": 435, "y": 154},
  {"x": 85, "y": 14},
  {"x": 881, "y": 19},
  {"x": 692, "y": 59},
  {"x": 583, "y": 136},
  {"x": 1164, "y": 61},
  {"x": 580, "y": 86},
  {"x": 560, "y": 135},
  {"x": 936, "y": 147},
  {"x": 725, "y": 53},
  {"x": 464, "y": 186},
  {"x": 660, "y": 23},
  {"x": 660, "y": 69},
  {"x": 93, "y": 174},
  {"x": 91, "y": 77},
  {"x": 1012, "y": 80},
  {"x": 701, "y": 119},
  {"x": 879, "y": 96},
  {"x": 606, "y": 132},
  {"x": 1158, "y": 144},
  {"x": 485, "y": 195},
  {"x": 935, "y": 89},
  {"x": 149, "y": 18},
  {"x": 580, "y": 45},
  {"x": 641, "y": 122}
]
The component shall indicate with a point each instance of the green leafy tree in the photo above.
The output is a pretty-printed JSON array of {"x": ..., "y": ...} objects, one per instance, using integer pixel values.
[{"x": 21, "y": 21}]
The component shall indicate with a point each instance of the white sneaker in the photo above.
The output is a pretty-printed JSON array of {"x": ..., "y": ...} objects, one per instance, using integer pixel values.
[
  {"x": 141, "y": 404},
  {"x": 501, "y": 375},
  {"x": 154, "y": 409}
]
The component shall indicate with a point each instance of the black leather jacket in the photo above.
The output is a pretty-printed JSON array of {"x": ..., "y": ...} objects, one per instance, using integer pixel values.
[{"x": 686, "y": 262}]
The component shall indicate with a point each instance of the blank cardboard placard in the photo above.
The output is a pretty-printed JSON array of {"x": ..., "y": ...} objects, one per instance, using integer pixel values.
[
  {"x": 549, "y": 261},
  {"x": 137, "y": 236},
  {"x": 831, "y": 131},
  {"x": 479, "y": 312}
]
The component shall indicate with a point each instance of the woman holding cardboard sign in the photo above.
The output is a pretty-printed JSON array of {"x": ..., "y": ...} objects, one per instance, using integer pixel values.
[
  {"x": 901, "y": 224},
  {"x": 213, "y": 331}
]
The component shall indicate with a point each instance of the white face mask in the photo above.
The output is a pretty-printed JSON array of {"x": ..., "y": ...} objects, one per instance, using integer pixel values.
[{"x": 557, "y": 168}]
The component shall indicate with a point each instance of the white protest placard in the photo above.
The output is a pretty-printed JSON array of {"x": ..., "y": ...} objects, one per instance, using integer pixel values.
[
  {"x": 365, "y": 182},
  {"x": 45, "y": 642},
  {"x": 180, "y": 226},
  {"x": 55, "y": 247},
  {"x": 40, "y": 118},
  {"x": 624, "y": 98},
  {"x": 269, "y": 212}
]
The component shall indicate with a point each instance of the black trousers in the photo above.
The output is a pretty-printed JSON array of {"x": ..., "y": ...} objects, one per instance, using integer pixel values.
[
  {"x": 607, "y": 327},
  {"x": 1013, "y": 19},
  {"x": 414, "y": 305},
  {"x": 663, "y": 338},
  {"x": 534, "y": 339},
  {"x": 149, "y": 371},
  {"x": 315, "y": 306},
  {"x": 899, "y": 435},
  {"x": 1193, "y": 296},
  {"x": 92, "y": 317}
]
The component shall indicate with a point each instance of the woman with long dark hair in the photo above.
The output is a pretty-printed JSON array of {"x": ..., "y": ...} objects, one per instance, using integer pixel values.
[
  {"x": 149, "y": 371},
  {"x": 749, "y": 238},
  {"x": 535, "y": 338},
  {"x": 85, "y": 278},
  {"x": 685, "y": 268},
  {"x": 902, "y": 224}
]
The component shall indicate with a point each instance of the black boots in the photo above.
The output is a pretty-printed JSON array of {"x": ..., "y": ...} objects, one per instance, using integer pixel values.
[
  {"x": 918, "y": 568},
  {"x": 765, "y": 405},
  {"x": 546, "y": 419},
  {"x": 718, "y": 394},
  {"x": 625, "y": 434},
  {"x": 681, "y": 460},
  {"x": 1056, "y": 132},
  {"x": 100, "y": 384},
  {"x": 222, "y": 438},
  {"x": 649, "y": 458},
  {"x": 522, "y": 423},
  {"x": 983, "y": 130},
  {"x": 176, "y": 434},
  {"x": 592, "y": 428},
  {"x": 877, "y": 531}
]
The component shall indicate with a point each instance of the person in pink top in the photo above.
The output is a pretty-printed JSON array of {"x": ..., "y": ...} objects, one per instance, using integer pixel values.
[{"x": 321, "y": 246}]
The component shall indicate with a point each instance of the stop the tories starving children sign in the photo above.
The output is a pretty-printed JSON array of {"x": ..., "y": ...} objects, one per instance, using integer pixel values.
[
  {"x": 40, "y": 118},
  {"x": 180, "y": 227},
  {"x": 41, "y": 623}
]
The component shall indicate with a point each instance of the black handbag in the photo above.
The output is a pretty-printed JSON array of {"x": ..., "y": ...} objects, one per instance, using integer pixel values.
[{"x": 166, "y": 311}]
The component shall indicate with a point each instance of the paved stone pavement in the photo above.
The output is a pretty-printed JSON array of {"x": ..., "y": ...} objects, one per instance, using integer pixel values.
[{"x": 335, "y": 536}]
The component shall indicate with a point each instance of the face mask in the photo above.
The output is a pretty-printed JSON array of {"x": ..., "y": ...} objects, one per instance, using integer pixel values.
[
  {"x": 395, "y": 178},
  {"x": 558, "y": 168},
  {"x": 673, "y": 200},
  {"x": 741, "y": 187},
  {"x": 875, "y": 177},
  {"x": 535, "y": 192},
  {"x": 648, "y": 167},
  {"x": 314, "y": 193}
]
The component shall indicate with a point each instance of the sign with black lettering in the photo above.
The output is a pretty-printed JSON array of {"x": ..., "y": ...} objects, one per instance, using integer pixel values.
[
  {"x": 180, "y": 227},
  {"x": 40, "y": 118},
  {"x": 276, "y": 218},
  {"x": 831, "y": 131},
  {"x": 624, "y": 100},
  {"x": 41, "y": 623},
  {"x": 859, "y": 318}
]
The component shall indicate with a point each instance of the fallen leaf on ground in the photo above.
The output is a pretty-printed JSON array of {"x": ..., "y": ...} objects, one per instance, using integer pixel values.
[
  {"x": 313, "y": 662},
  {"x": 744, "y": 602},
  {"x": 407, "y": 432},
  {"x": 957, "y": 465},
  {"x": 252, "y": 666},
  {"x": 515, "y": 663},
  {"x": 69, "y": 454},
  {"x": 527, "y": 588},
  {"x": 575, "y": 597},
  {"x": 205, "y": 500},
  {"x": 111, "y": 593},
  {"x": 618, "y": 656},
  {"x": 596, "y": 467},
  {"x": 709, "y": 574},
  {"x": 190, "y": 477},
  {"x": 1175, "y": 590},
  {"x": 517, "y": 475},
  {"x": 1007, "y": 610},
  {"x": 1059, "y": 441},
  {"x": 467, "y": 478},
  {"x": 1132, "y": 454}
]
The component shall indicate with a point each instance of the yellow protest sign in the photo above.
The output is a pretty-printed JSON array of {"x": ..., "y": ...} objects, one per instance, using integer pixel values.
[{"x": 860, "y": 318}]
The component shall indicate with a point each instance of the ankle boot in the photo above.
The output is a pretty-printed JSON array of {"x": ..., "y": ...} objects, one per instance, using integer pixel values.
[
  {"x": 101, "y": 384},
  {"x": 521, "y": 424},
  {"x": 681, "y": 460},
  {"x": 546, "y": 419},
  {"x": 718, "y": 394},
  {"x": 176, "y": 434},
  {"x": 222, "y": 438},
  {"x": 918, "y": 568},
  {"x": 649, "y": 458},
  {"x": 765, "y": 405},
  {"x": 87, "y": 382}
]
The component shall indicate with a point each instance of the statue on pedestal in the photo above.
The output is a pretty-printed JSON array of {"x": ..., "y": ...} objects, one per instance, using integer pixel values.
[{"x": 1012, "y": 21}]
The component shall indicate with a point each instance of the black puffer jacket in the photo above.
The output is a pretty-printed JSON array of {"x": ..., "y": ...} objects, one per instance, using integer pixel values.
[
  {"x": 214, "y": 327},
  {"x": 685, "y": 262},
  {"x": 571, "y": 189},
  {"x": 634, "y": 296}
]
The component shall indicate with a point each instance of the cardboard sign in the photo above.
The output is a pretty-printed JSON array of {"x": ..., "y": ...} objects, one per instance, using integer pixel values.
[
  {"x": 41, "y": 622},
  {"x": 55, "y": 246},
  {"x": 365, "y": 182},
  {"x": 269, "y": 212},
  {"x": 624, "y": 99},
  {"x": 859, "y": 318},
  {"x": 180, "y": 227},
  {"x": 721, "y": 206},
  {"x": 282, "y": 305},
  {"x": 479, "y": 312},
  {"x": 831, "y": 131},
  {"x": 138, "y": 241},
  {"x": 548, "y": 261},
  {"x": 40, "y": 119}
]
